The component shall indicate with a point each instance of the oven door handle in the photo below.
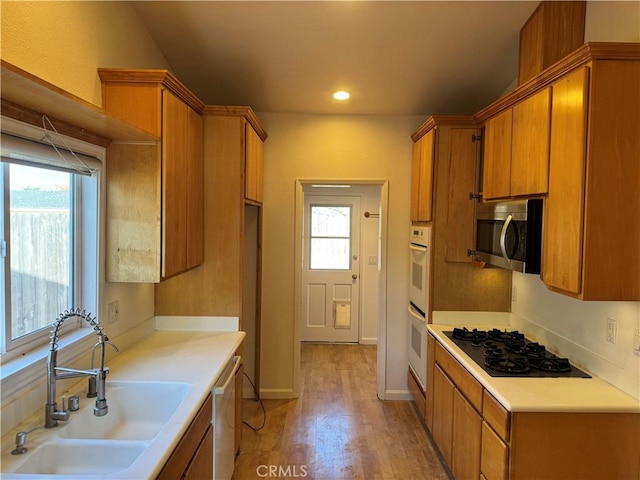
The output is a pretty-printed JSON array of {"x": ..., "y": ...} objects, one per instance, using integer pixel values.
[
  {"x": 417, "y": 248},
  {"x": 416, "y": 314},
  {"x": 503, "y": 237}
]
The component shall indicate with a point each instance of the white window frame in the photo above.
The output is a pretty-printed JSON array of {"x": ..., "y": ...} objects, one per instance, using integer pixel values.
[
  {"x": 88, "y": 255},
  {"x": 312, "y": 237}
]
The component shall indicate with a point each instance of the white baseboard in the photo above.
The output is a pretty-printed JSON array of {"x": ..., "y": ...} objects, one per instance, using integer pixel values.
[
  {"x": 276, "y": 393},
  {"x": 397, "y": 395},
  {"x": 369, "y": 341}
]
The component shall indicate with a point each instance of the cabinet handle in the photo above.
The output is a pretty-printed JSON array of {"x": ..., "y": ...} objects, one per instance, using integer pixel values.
[{"x": 503, "y": 237}]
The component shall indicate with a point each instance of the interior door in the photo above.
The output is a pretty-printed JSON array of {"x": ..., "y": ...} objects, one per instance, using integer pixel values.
[{"x": 331, "y": 269}]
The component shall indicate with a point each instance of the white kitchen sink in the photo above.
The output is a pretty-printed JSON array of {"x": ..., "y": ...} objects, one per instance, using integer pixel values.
[
  {"x": 81, "y": 458},
  {"x": 137, "y": 411}
]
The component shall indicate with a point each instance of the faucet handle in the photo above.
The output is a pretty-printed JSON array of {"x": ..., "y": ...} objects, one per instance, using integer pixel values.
[
  {"x": 74, "y": 403},
  {"x": 21, "y": 439}
]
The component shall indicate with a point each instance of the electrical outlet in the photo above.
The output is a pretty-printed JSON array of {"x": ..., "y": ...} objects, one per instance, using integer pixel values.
[
  {"x": 373, "y": 260},
  {"x": 636, "y": 342},
  {"x": 114, "y": 312},
  {"x": 612, "y": 330}
]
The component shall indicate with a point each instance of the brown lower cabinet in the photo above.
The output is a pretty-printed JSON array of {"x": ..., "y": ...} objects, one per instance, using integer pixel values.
[
  {"x": 479, "y": 438},
  {"x": 193, "y": 457}
]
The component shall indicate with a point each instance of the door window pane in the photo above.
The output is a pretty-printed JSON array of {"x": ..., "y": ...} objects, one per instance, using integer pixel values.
[{"x": 330, "y": 241}]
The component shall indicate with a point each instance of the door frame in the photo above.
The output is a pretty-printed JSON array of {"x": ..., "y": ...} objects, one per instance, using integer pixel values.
[{"x": 382, "y": 277}]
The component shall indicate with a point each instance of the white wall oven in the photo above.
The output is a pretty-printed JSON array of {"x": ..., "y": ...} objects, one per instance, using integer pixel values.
[
  {"x": 419, "y": 274},
  {"x": 419, "y": 268}
]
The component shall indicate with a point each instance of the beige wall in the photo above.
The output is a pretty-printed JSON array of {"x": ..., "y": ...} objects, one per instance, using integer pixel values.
[
  {"x": 64, "y": 43},
  {"x": 612, "y": 21},
  {"x": 311, "y": 147}
]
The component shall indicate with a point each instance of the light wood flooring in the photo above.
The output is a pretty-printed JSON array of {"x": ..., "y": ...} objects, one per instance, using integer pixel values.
[{"x": 338, "y": 428}]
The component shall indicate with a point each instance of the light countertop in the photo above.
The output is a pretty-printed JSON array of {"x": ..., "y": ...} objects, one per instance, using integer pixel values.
[
  {"x": 542, "y": 394},
  {"x": 196, "y": 358}
]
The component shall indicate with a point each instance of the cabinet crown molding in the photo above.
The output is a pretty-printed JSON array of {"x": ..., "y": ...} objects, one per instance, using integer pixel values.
[
  {"x": 450, "y": 120},
  {"x": 238, "y": 111},
  {"x": 581, "y": 56},
  {"x": 160, "y": 76}
]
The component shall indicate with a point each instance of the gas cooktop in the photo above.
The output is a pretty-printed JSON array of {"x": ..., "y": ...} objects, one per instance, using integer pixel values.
[{"x": 509, "y": 354}]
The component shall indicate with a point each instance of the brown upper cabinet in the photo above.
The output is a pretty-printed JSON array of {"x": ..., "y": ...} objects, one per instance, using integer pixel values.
[
  {"x": 254, "y": 161},
  {"x": 590, "y": 245},
  {"x": 497, "y": 155},
  {"x": 155, "y": 226},
  {"x": 516, "y": 149},
  {"x": 422, "y": 178}
]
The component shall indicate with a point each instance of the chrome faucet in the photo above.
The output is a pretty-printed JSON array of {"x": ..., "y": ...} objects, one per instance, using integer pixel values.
[{"x": 54, "y": 373}]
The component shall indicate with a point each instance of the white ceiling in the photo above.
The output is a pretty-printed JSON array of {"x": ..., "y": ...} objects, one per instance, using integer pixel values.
[{"x": 395, "y": 57}]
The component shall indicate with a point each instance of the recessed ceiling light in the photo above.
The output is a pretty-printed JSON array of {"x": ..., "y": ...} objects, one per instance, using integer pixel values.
[{"x": 341, "y": 95}]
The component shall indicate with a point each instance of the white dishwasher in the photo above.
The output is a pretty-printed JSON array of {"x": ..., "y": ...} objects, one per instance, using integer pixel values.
[{"x": 224, "y": 420}]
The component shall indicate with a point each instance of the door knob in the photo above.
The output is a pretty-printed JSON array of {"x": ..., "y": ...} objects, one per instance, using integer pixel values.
[{"x": 354, "y": 276}]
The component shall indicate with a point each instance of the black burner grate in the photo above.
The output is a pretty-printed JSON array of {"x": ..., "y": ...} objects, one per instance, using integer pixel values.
[{"x": 509, "y": 353}]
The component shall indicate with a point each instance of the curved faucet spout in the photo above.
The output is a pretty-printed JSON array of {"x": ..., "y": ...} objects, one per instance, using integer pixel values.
[{"x": 99, "y": 375}]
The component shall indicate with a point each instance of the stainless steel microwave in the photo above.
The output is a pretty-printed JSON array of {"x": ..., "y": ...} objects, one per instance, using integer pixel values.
[{"x": 509, "y": 234}]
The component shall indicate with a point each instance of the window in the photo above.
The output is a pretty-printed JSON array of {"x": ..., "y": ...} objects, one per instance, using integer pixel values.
[
  {"x": 39, "y": 247},
  {"x": 49, "y": 244},
  {"x": 330, "y": 238}
]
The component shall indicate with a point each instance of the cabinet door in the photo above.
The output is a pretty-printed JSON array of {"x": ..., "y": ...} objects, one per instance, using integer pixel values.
[
  {"x": 175, "y": 143},
  {"x": 194, "y": 164},
  {"x": 415, "y": 180},
  {"x": 467, "y": 434},
  {"x": 201, "y": 465},
  {"x": 253, "y": 165},
  {"x": 422, "y": 178},
  {"x": 497, "y": 156},
  {"x": 463, "y": 162},
  {"x": 564, "y": 206},
  {"x": 530, "y": 144},
  {"x": 494, "y": 456},
  {"x": 431, "y": 364},
  {"x": 443, "y": 413}
]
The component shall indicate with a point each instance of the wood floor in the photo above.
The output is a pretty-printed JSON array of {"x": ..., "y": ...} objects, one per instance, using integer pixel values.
[{"x": 337, "y": 429}]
